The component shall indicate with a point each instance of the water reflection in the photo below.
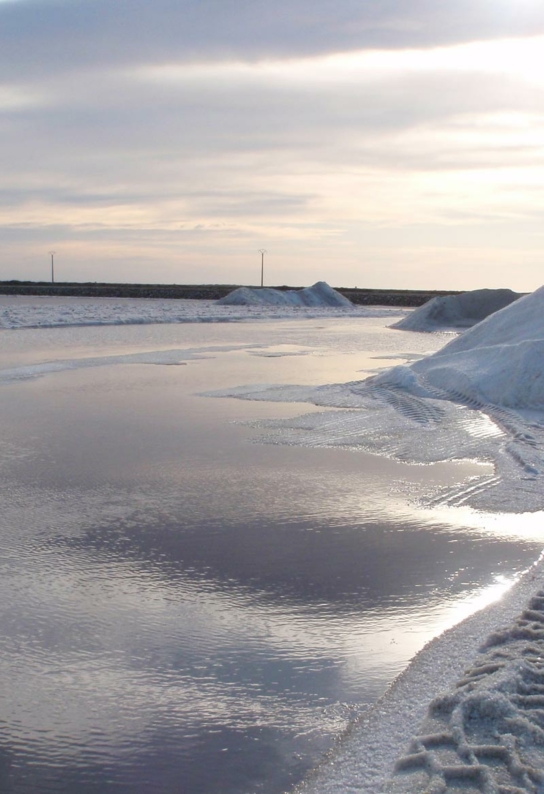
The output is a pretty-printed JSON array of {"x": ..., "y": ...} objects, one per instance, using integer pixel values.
[
  {"x": 236, "y": 648},
  {"x": 184, "y": 611}
]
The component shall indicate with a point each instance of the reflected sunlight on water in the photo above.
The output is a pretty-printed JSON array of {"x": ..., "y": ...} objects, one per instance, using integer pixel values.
[{"x": 184, "y": 609}]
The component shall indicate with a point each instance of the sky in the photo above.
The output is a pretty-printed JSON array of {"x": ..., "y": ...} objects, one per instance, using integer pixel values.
[{"x": 393, "y": 144}]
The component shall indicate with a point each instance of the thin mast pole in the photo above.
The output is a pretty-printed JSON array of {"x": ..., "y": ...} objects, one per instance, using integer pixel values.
[{"x": 262, "y": 252}]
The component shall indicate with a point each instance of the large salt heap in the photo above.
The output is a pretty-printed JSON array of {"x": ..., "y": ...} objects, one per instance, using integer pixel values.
[
  {"x": 419, "y": 412},
  {"x": 499, "y": 361},
  {"x": 457, "y": 311},
  {"x": 318, "y": 295}
]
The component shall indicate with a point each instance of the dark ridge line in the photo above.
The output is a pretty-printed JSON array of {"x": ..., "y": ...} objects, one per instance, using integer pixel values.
[{"x": 358, "y": 296}]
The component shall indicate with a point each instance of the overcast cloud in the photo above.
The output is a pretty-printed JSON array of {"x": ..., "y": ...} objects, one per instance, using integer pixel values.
[{"x": 391, "y": 144}]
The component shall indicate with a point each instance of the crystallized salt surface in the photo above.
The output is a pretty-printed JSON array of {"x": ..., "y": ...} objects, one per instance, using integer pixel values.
[
  {"x": 498, "y": 361},
  {"x": 457, "y": 311},
  {"x": 39, "y": 312},
  {"x": 466, "y": 715},
  {"x": 318, "y": 295},
  {"x": 488, "y": 730}
]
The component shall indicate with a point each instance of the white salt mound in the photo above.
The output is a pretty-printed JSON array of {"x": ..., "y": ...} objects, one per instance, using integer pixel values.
[
  {"x": 499, "y": 361},
  {"x": 420, "y": 412},
  {"x": 457, "y": 311},
  {"x": 318, "y": 295}
]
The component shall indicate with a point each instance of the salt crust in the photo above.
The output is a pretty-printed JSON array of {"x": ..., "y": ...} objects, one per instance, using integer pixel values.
[
  {"x": 498, "y": 361},
  {"x": 173, "y": 357},
  {"x": 483, "y": 731},
  {"x": 488, "y": 732},
  {"x": 71, "y": 312},
  {"x": 456, "y": 312},
  {"x": 318, "y": 295}
]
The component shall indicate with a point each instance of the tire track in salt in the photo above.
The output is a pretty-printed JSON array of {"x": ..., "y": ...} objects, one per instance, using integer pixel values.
[{"x": 486, "y": 736}]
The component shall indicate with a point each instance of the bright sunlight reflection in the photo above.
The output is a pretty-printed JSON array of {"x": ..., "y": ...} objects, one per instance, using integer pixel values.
[{"x": 479, "y": 600}]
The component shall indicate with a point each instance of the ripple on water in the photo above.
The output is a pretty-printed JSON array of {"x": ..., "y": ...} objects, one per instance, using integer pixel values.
[{"x": 185, "y": 611}]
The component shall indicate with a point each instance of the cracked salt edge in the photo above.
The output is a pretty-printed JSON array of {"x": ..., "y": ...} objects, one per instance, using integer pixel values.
[{"x": 364, "y": 760}]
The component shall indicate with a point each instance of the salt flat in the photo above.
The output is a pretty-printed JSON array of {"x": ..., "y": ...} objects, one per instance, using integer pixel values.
[
  {"x": 187, "y": 603},
  {"x": 46, "y": 312}
]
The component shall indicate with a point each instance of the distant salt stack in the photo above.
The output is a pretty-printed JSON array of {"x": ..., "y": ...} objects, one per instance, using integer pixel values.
[
  {"x": 318, "y": 295},
  {"x": 457, "y": 311}
]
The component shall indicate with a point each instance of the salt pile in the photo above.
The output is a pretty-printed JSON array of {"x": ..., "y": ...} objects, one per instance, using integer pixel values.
[
  {"x": 318, "y": 295},
  {"x": 480, "y": 397},
  {"x": 500, "y": 361},
  {"x": 457, "y": 311}
]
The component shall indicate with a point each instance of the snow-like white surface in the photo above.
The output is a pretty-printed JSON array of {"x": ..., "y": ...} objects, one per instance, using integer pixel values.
[
  {"x": 500, "y": 693},
  {"x": 456, "y": 312},
  {"x": 318, "y": 295},
  {"x": 499, "y": 361},
  {"x": 488, "y": 731},
  {"x": 61, "y": 312}
]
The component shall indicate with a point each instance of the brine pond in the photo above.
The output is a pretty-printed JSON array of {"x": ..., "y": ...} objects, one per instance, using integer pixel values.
[{"x": 188, "y": 606}]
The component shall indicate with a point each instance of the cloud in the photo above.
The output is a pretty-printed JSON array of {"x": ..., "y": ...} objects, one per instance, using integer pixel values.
[
  {"x": 165, "y": 131},
  {"x": 44, "y": 37},
  {"x": 128, "y": 126}
]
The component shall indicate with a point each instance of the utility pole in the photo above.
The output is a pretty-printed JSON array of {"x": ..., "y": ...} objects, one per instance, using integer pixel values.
[
  {"x": 52, "y": 266},
  {"x": 262, "y": 252}
]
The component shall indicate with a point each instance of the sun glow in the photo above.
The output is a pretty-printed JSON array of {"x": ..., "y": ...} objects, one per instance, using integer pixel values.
[{"x": 522, "y": 58}]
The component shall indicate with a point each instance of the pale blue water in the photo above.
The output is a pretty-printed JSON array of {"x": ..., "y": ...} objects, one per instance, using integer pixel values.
[{"x": 184, "y": 610}]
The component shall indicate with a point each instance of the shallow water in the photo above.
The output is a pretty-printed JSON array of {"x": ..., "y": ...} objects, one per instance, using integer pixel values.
[{"x": 185, "y": 610}]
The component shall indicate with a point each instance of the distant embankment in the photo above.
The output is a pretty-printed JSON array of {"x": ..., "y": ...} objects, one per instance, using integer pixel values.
[{"x": 368, "y": 297}]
